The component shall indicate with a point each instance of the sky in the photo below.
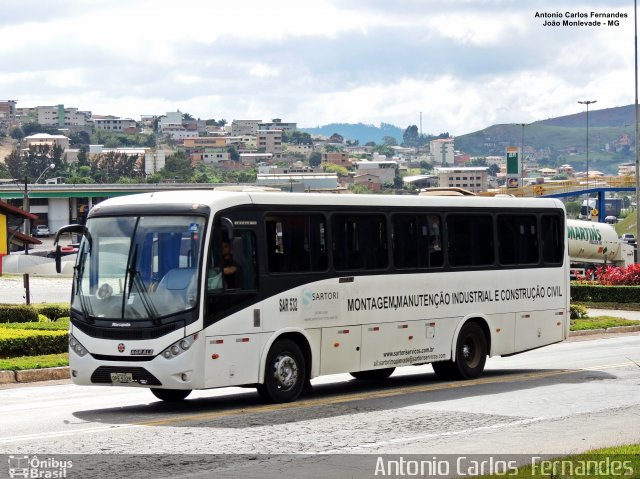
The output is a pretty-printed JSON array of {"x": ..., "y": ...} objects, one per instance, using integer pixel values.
[{"x": 452, "y": 66}]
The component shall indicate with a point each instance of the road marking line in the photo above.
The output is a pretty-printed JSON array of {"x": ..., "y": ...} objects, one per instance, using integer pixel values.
[{"x": 371, "y": 395}]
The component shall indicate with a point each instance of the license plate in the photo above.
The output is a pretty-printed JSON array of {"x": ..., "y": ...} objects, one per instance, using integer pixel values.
[{"x": 121, "y": 377}]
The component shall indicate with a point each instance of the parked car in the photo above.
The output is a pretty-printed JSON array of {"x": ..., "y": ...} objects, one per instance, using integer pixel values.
[
  {"x": 628, "y": 238},
  {"x": 41, "y": 230}
]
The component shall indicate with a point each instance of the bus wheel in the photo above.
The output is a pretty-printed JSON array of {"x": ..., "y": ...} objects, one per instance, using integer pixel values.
[
  {"x": 373, "y": 374},
  {"x": 285, "y": 373},
  {"x": 171, "y": 395},
  {"x": 471, "y": 354}
]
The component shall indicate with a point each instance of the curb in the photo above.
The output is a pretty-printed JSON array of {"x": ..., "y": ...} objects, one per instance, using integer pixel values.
[
  {"x": 612, "y": 330},
  {"x": 34, "y": 375}
]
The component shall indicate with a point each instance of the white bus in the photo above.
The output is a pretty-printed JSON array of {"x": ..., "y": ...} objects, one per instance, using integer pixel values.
[{"x": 315, "y": 284}]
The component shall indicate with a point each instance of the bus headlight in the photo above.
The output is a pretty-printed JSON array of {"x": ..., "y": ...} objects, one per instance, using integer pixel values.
[
  {"x": 76, "y": 347},
  {"x": 179, "y": 347}
]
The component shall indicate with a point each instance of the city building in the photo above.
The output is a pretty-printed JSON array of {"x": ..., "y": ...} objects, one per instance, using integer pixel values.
[
  {"x": 114, "y": 123},
  {"x": 385, "y": 170},
  {"x": 245, "y": 127},
  {"x": 472, "y": 178},
  {"x": 62, "y": 117},
  {"x": 442, "y": 152},
  {"x": 45, "y": 139},
  {"x": 340, "y": 158},
  {"x": 8, "y": 110},
  {"x": 270, "y": 141},
  {"x": 277, "y": 124}
]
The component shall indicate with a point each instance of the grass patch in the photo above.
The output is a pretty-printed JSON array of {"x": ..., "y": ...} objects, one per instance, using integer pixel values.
[
  {"x": 620, "y": 306},
  {"x": 620, "y": 461},
  {"x": 600, "y": 322},
  {"x": 34, "y": 362}
]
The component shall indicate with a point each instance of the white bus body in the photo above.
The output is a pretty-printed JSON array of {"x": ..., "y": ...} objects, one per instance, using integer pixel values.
[{"x": 324, "y": 284}]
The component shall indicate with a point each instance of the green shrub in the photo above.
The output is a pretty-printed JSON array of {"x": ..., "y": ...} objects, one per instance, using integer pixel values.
[
  {"x": 603, "y": 294},
  {"x": 18, "y": 313},
  {"x": 61, "y": 325},
  {"x": 54, "y": 311},
  {"x": 578, "y": 312},
  {"x": 19, "y": 342}
]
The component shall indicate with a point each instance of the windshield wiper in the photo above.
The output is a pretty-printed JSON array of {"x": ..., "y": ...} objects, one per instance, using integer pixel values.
[
  {"x": 87, "y": 309},
  {"x": 134, "y": 278}
]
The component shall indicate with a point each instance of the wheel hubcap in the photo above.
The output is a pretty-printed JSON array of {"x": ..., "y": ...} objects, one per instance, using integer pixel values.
[
  {"x": 285, "y": 371},
  {"x": 469, "y": 352}
]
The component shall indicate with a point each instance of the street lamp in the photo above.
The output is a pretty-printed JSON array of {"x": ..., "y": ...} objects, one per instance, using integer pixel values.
[
  {"x": 25, "y": 204},
  {"x": 522, "y": 157},
  {"x": 587, "y": 102}
]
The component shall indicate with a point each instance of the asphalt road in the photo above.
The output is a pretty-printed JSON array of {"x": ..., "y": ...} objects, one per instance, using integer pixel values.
[{"x": 565, "y": 398}]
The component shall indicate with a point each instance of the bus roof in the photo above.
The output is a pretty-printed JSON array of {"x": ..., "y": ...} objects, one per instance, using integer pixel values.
[{"x": 224, "y": 199}]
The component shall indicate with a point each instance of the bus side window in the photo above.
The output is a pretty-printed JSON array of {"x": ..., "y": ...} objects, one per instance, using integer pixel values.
[
  {"x": 233, "y": 263},
  {"x": 296, "y": 243}
]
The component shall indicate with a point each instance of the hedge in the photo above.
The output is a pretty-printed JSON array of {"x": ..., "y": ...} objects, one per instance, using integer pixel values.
[
  {"x": 18, "y": 313},
  {"x": 54, "y": 311},
  {"x": 19, "y": 342},
  {"x": 24, "y": 313},
  {"x": 605, "y": 294},
  {"x": 62, "y": 324}
]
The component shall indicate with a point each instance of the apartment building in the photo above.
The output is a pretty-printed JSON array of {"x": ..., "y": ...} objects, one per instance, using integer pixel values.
[
  {"x": 305, "y": 150},
  {"x": 244, "y": 127},
  {"x": 62, "y": 117},
  {"x": 8, "y": 110},
  {"x": 270, "y": 141},
  {"x": 442, "y": 152},
  {"x": 204, "y": 142},
  {"x": 277, "y": 124},
  {"x": 384, "y": 170},
  {"x": 114, "y": 123},
  {"x": 472, "y": 178}
]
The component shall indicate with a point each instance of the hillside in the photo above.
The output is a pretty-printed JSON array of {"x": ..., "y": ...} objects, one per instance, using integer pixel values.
[
  {"x": 358, "y": 131},
  {"x": 563, "y": 140}
]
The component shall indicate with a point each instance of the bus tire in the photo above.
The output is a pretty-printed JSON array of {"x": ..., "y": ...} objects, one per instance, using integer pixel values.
[
  {"x": 471, "y": 355},
  {"x": 445, "y": 370},
  {"x": 285, "y": 373},
  {"x": 171, "y": 395},
  {"x": 373, "y": 374}
]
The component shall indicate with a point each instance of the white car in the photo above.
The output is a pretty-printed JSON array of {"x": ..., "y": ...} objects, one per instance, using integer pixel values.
[{"x": 41, "y": 230}]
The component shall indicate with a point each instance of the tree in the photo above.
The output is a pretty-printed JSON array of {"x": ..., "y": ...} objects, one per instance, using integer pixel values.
[
  {"x": 187, "y": 117},
  {"x": 389, "y": 141},
  {"x": 83, "y": 157},
  {"x": 233, "y": 154},
  {"x": 315, "y": 159},
  {"x": 333, "y": 168},
  {"x": 15, "y": 164},
  {"x": 494, "y": 170},
  {"x": 33, "y": 128},
  {"x": 110, "y": 167},
  {"x": 177, "y": 166},
  {"x": 80, "y": 138},
  {"x": 17, "y": 133},
  {"x": 410, "y": 136},
  {"x": 336, "y": 138}
]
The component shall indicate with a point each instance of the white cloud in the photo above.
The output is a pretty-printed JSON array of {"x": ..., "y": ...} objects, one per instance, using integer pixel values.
[{"x": 464, "y": 64}]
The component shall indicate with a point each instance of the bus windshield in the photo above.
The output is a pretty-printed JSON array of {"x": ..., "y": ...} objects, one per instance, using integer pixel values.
[{"x": 138, "y": 267}]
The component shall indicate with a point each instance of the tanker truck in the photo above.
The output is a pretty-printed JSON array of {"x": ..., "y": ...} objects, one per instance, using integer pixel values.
[{"x": 594, "y": 244}]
